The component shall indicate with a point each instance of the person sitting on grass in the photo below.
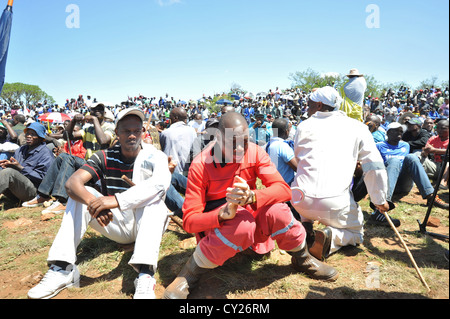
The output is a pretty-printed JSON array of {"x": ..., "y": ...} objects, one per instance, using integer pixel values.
[
  {"x": 24, "y": 171},
  {"x": 123, "y": 213},
  {"x": 403, "y": 170}
]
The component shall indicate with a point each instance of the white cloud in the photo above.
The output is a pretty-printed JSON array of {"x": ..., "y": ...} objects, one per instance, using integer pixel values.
[{"x": 164, "y": 3}]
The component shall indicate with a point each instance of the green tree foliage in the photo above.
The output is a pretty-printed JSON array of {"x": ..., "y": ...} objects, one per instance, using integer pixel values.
[{"x": 23, "y": 94}]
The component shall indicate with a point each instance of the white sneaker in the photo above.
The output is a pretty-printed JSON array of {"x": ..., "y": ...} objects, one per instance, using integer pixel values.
[
  {"x": 55, "y": 280},
  {"x": 35, "y": 202},
  {"x": 145, "y": 287},
  {"x": 55, "y": 208}
]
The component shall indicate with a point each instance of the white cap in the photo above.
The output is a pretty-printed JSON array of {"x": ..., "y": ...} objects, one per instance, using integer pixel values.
[
  {"x": 393, "y": 126},
  {"x": 130, "y": 111}
]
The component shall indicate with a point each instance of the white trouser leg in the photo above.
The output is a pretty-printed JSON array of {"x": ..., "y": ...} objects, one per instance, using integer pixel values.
[
  {"x": 341, "y": 214},
  {"x": 151, "y": 223},
  {"x": 123, "y": 229}
]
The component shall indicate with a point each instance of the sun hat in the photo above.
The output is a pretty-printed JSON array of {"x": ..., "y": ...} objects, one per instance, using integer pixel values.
[
  {"x": 38, "y": 128},
  {"x": 354, "y": 72}
]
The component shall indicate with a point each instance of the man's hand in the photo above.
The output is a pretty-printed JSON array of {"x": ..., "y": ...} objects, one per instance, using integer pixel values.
[
  {"x": 172, "y": 164},
  {"x": 383, "y": 208},
  {"x": 228, "y": 212},
  {"x": 240, "y": 193},
  {"x": 100, "y": 208},
  {"x": 12, "y": 163}
]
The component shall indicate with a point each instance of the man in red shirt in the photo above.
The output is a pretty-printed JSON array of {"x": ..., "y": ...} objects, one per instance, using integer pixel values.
[
  {"x": 228, "y": 214},
  {"x": 437, "y": 146}
]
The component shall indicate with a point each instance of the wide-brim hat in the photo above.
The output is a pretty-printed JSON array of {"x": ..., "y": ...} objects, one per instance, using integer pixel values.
[{"x": 354, "y": 72}]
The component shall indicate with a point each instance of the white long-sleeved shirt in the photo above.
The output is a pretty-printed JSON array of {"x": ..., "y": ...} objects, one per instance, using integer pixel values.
[{"x": 327, "y": 148}]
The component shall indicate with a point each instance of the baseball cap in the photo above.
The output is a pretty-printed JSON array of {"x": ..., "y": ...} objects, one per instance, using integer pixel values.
[
  {"x": 414, "y": 121},
  {"x": 38, "y": 128},
  {"x": 130, "y": 111},
  {"x": 393, "y": 126}
]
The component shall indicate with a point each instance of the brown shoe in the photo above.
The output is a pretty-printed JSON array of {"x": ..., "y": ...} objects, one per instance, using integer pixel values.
[
  {"x": 185, "y": 281},
  {"x": 321, "y": 246},
  {"x": 440, "y": 203},
  {"x": 314, "y": 268}
]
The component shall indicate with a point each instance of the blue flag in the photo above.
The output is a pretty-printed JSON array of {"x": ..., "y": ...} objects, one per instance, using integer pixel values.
[{"x": 5, "y": 33}]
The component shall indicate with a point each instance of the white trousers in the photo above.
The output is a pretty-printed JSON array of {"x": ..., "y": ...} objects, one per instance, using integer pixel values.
[
  {"x": 341, "y": 214},
  {"x": 143, "y": 226}
]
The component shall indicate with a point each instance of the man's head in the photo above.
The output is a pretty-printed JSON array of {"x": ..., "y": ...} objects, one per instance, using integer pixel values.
[
  {"x": 442, "y": 129},
  {"x": 325, "y": 99},
  {"x": 34, "y": 134},
  {"x": 227, "y": 108},
  {"x": 414, "y": 126},
  {"x": 178, "y": 114},
  {"x": 428, "y": 124},
  {"x": 130, "y": 129},
  {"x": 394, "y": 133},
  {"x": 3, "y": 131},
  {"x": 232, "y": 137},
  {"x": 97, "y": 110},
  {"x": 373, "y": 122},
  {"x": 280, "y": 128}
]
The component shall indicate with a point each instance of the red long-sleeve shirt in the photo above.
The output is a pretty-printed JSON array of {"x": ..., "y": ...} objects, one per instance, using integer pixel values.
[{"x": 208, "y": 181}]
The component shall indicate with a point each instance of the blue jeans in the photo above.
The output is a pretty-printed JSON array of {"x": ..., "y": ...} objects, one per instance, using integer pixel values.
[
  {"x": 402, "y": 176},
  {"x": 57, "y": 175},
  {"x": 174, "y": 201}
]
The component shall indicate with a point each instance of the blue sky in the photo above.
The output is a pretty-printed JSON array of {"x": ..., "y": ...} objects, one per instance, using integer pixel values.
[{"x": 188, "y": 48}]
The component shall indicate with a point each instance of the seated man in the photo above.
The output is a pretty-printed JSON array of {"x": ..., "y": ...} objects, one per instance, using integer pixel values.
[
  {"x": 415, "y": 135},
  {"x": 125, "y": 214},
  {"x": 7, "y": 144},
  {"x": 98, "y": 135},
  {"x": 228, "y": 214},
  {"x": 282, "y": 154},
  {"x": 23, "y": 172},
  {"x": 403, "y": 170},
  {"x": 436, "y": 146}
]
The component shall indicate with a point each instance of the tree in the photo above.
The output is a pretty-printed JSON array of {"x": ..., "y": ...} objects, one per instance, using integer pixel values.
[{"x": 24, "y": 94}]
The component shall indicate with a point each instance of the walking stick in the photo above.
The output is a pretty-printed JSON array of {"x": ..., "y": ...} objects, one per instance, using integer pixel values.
[
  {"x": 407, "y": 250},
  {"x": 130, "y": 182}
]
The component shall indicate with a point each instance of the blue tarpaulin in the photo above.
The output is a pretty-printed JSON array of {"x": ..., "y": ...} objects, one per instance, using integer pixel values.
[{"x": 5, "y": 33}]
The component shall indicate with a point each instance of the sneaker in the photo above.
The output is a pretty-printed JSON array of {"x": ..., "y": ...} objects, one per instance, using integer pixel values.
[
  {"x": 35, "y": 202},
  {"x": 438, "y": 203},
  {"x": 55, "y": 208},
  {"x": 55, "y": 280},
  {"x": 145, "y": 287},
  {"x": 377, "y": 218}
]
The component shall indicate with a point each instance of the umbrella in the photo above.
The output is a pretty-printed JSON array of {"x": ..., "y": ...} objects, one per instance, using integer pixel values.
[
  {"x": 181, "y": 102},
  {"x": 235, "y": 96},
  {"x": 223, "y": 101},
  {"x": 5, "y": 34},
  {"x": 249, "y": 96},
  {"x": 54, "y": 117}
]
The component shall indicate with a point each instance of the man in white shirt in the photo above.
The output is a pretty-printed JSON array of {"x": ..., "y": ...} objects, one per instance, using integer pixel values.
[
  {"x": 327, "y": 147},
  {"x": 176, "y": 141}
]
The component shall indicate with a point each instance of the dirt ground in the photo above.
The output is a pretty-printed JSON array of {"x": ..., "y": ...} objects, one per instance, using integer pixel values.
[{"x": 378, "y": 269}]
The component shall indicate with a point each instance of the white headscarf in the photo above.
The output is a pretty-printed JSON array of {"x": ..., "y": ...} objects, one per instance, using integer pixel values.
[{"x": 328, "y": 96}]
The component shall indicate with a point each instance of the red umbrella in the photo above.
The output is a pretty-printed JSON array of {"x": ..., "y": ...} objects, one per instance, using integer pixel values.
[{"x": 54, "y": 117}]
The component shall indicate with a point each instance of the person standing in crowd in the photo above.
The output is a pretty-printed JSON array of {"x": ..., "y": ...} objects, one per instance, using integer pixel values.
[
  {"x": 353, "y": 95},
  {"x": 24, "y": 171},
  {"x": 228, "y": 214},
  {"x": 126, "y": 214},
  {"x": 327, "y": 147}
]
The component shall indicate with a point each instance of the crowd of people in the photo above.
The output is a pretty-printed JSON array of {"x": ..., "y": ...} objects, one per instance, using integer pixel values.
[{"x": 125, "y": 169}]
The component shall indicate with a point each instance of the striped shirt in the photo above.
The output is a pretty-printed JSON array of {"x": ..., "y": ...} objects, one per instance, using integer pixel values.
[
  {"x": 108, "y": 166},
  {"x": 90, "y": 139}
]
